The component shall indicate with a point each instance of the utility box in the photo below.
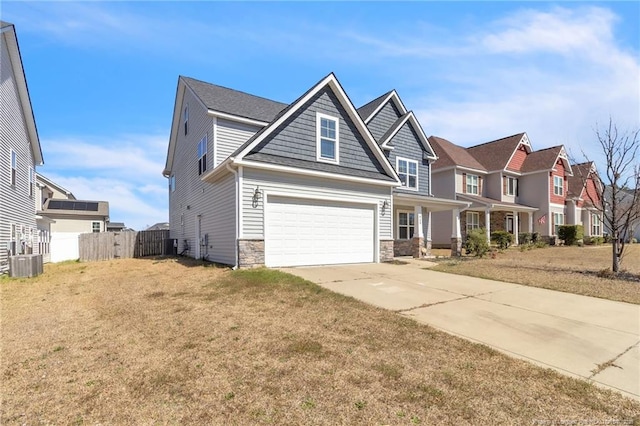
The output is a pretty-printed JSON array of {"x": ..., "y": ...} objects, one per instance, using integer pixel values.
[{"x": 25, "y": 265}]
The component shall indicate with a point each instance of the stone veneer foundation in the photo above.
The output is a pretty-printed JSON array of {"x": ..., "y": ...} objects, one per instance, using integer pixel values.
[
  {"x": 386, "y": 250},
  {"x": 250, "y": 253},
  {"x": 456, "y": 247}
]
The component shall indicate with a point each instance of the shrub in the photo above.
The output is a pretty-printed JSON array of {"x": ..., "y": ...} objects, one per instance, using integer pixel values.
[
  {"x": 535, "y": 237},
  {"x": 571, "y": 234},
  {"x": 593, "y": 241},
  {"x": 477, "y": 243},
  {"x": 540, "y": 244},
  {"x": 502, "y": 238},
  {"x": 525, "y": 238}
]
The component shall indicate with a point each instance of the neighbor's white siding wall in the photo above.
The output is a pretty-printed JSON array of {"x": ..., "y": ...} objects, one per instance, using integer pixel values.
[
  {"x": 269, "y": 181},
  {"x": 229, "y": 135},
  {"x": 16, "y": 206},
  {"x": 214, "y": 203},
  {"x": 75, "y": 224}
]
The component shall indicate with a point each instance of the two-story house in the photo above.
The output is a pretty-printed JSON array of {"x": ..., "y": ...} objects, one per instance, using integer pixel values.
[
  {"x": 405, "y": 145},
  {"x": 584, "y": 205},
  {"x": 20, "y": 153},
  {"x": 511, "y": 187},
  {"x": 258, "y": 182}
]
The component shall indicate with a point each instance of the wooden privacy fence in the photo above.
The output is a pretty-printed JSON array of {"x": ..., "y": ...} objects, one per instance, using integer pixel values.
[{"x": 117, "y": 245}]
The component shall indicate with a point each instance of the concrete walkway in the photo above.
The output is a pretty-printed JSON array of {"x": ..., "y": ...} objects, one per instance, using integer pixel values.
[{"x": 585, "y": 337}]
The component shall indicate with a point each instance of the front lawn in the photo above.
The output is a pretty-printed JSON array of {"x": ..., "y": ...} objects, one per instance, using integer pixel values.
[
  {"x": 174, "y": 341},
  {"x": 579, "y": 270}
]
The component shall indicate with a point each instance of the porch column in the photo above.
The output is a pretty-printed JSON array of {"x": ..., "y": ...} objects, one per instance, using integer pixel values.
[
  {"x": 530, "y": 222},
  {"x": 456, "y": 237},
  {"x": 427, "y": 237},
  {"x": 417, "y": 243},
  {"x": 487, "y": 224},
  {"x": 516, "y": 228}
]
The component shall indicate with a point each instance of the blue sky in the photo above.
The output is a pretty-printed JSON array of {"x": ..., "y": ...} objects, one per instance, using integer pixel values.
[{"x": 102, "y": 76}]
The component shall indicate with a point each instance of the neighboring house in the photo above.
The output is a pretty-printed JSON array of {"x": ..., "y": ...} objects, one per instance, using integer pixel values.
[
  {"x": 625, "y": 199},
  {"x": 20, "y": 153},
  {"x": 583, "y": 199},
  {"x": 405, "y": 145},
  {"x": 65, "y": 218},
  {"x": 160, "y": 226},
  {"x": 258, "y": 182},
  {"x": 116, "y": 227},
  {"x": 511, "y": 187}
]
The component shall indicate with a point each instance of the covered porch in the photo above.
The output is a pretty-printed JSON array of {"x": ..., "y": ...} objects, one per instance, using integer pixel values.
[
  {"x": 493, "y": 215},
  {"x": 413, "y": 222}
]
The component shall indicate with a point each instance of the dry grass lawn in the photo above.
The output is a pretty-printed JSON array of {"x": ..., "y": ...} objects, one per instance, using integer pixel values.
[
  {"x": 168, "y": 341},
  {"x": 570, "y": 269}
]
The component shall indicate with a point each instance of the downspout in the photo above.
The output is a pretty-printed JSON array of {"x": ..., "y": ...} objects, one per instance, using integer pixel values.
[{"x": 237, "y": 183}]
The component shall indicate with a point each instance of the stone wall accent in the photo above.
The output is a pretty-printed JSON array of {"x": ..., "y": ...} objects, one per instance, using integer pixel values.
[
  {"x": 498, "y": 221},
  {"x": 456, "y": 247},
  {"x": 386, "y": 250},
  {"x": 417, "y": 244},
  {"x": 402, "y": 248},
  {"x": 250, "y": 253}
]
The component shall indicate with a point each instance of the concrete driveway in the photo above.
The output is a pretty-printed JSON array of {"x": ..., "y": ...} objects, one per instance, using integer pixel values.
[{"x": 586, "y": 337}]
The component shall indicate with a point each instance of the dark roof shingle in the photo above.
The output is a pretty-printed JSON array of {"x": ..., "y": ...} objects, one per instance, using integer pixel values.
[
  {"x": 366, "y": 109},
  {"x": 576, "y": 182},
  {"x": 544, "y": 159},
  {"x": 495, "y": 155},
  {"x": 450, "y": 154}
]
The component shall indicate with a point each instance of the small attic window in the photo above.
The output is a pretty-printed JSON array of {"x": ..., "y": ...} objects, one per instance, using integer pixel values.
[
  {"x": 327, "y": 138},
  {"x": 185, "y": 117}
]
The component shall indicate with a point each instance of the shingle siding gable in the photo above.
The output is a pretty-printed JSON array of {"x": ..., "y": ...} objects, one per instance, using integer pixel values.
[
  {"x": 296, "y": 137},
  {"x": 383, "y": 120},
  {"x": 407, "y": 145}
]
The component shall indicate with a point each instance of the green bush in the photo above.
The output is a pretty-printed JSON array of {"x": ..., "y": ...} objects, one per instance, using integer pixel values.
[
  {"x": 525, "y": 238},
  {"x": 593, "y": 241},
  {"x": 477, "y": 243},
  {"x": 535, "y": 237},
  {"x": 571, "y": 234},
  {"x": 503, "y": 239}
]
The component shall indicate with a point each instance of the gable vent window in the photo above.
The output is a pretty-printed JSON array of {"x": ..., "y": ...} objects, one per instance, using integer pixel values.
[
  {"x": 14, "y": 167},
  {"x": 202, "y": 155},
  {"x": 327, "y": 135},
  {"x": 185, "y": 118}
]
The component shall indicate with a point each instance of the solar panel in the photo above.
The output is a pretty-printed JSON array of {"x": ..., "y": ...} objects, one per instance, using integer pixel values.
[{"x": 73, "y": 205}]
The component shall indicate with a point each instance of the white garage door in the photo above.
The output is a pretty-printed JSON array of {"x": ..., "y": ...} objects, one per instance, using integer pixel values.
[{"x": 315, "y": 232}]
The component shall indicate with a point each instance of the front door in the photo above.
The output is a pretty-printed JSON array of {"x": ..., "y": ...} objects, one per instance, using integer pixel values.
[{"x": 509, "y": 224}]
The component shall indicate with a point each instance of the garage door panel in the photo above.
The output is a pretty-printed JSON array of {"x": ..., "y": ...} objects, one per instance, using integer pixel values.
[{"x": 310, "y": 232}]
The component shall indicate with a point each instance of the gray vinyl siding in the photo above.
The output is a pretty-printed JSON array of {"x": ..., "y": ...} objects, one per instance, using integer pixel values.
[
  {"x": 296, "y": 137},
  {"x": 215, "y": 203},
  {"x": 297, "y": 185},
  {"x": 383, "y": 120},
  {"x": 16, "y": 206},
  {"x": 229, "y": 135},
  {"x": 407, "y": 145}
]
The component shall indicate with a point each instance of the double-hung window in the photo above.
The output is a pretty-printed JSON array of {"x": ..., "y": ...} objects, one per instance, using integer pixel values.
[
  {"x": 408, "y": 173},
  {"x": 14, "y": 168},
  {"x": 596, "y": 227},
  {"x": 406, "y": 225},
  {"x": 558, "y": 185},
  {"x": 32, "y": 183},
  {"x": 327, "y": 138},
  {"x": 558, "y": 220},
  {"x": 95, "y": 226},
  {"x": 202, "y": 155},
  {"x": 473, "y": 221},
  {"x": 510, "y": 186},
  {"x": 472, "y": 184}
]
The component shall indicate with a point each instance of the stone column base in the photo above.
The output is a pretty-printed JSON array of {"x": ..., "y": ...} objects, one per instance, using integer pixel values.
[
  {"x": 456, "y": 247},
  {"x": 386, "y": 250},
  {"x": 417, "y": 246},
  {"x": 250, "y": 253}
]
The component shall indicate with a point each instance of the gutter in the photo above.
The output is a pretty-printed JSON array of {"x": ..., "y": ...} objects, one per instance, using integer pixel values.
[{"x": 237, "y": 197}]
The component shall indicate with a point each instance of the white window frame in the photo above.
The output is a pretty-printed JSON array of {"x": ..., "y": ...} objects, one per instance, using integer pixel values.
[
  {"x": 512, "y": 186},
  {"x": 596, "y": 224},
  {"x": 407, "y": 175},
  {"x": 556, "y": 222},
  {"x": 411, "y": 229},
  {"x": 471, "y": 185},
  {"x": 13, "y": 168},
  {"x": 558, "y": 185},
  {"x": 185, "y": 119},
  {"x": 319, "y": 138},
  {"x": 172, "y": 183},
  {"x": 202, "y": 155},
  {"x": 471, "y": 222},
  {"x": 32, "y": 182},
  {"x": 93, "y": 227}
]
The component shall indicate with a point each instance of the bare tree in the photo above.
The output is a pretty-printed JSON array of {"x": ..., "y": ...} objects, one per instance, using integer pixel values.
[{"x": 618, "y": 186}]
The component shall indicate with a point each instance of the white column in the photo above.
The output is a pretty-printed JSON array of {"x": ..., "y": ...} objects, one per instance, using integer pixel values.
[
  {"x": 516, "y": 228},
  {"x": 428, "y": 235},
  {"x": 487, "y": 221},
  {"x": 419, "y": 229},
  {"x": 455, "y": 229},
  {"x": 530, "y": 222}
]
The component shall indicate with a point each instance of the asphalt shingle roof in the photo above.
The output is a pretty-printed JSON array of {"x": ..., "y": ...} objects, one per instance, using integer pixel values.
[
  {"x": 450, "y": 154},
  {"x": 543, "y": 159},
  {"x": 495, "y": 155},
  {"x": 576, "y": 182},
  {"x": 230, "y": 101},
  {"x": 366, "y": 109}
]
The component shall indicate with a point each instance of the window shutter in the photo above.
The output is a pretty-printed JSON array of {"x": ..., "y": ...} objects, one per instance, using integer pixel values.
[
  {"x": 553, "y": 223},
  {"x": 480, "y": 186},
  {"x": 504, "y": 185},
  {"x": 464, "y": 183},
  {"x": 517, "y": 187}
]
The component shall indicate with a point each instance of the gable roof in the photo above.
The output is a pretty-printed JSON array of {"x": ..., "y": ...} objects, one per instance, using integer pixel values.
[
  {"x": 10, "y": 40},
  {"x": 234, "y": 102},
  {"x": 495, "y": 155},
  {"x": 450, "y": 155},
  {"x": 369, "y": 110},
  {"x": 577, "y": 182},
  {"x": 413, "y": 121},
  {"x": 48, "y": 182},
  {"x": 546, "y": 159},
  {"x": 238, "y": 157}
]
